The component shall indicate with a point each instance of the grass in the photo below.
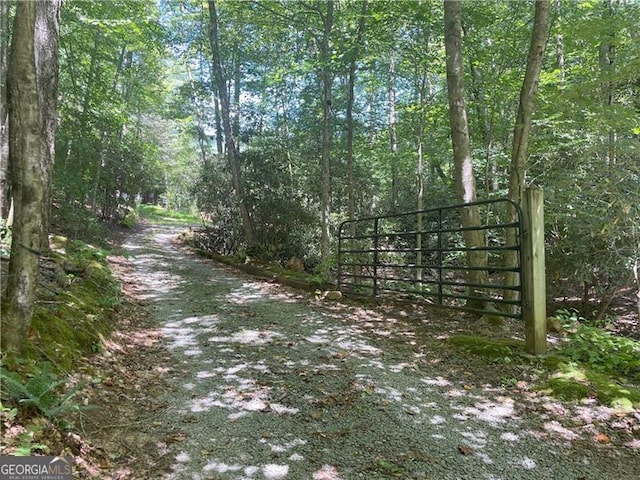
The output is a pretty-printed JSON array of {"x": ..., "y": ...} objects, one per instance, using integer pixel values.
[{"x": 162, "y": 216}]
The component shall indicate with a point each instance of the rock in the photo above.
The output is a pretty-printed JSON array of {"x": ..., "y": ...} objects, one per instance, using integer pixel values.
[
  {"x": 332, "y": 295},
  {"x": 554, "y": 325}
]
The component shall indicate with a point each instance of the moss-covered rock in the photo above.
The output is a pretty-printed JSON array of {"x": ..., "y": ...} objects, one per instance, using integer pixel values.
[{"x": 575, "y": 381}]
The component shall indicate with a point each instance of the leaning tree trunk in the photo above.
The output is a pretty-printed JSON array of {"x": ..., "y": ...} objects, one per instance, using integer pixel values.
[
  {"x": 32, "y": 86},
  {"x": 463, "y": 164},
  {"x": 522, "y": 130}
]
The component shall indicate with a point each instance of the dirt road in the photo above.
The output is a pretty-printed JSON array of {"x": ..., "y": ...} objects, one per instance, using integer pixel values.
[{"x": 255, "y": 381}]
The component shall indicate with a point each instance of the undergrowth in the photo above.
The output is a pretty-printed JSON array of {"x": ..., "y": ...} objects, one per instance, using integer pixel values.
[
  {"x": 599, "y": 349},
  {"x": 38, "y": 391},
  {"x": 592, "y": 362}
]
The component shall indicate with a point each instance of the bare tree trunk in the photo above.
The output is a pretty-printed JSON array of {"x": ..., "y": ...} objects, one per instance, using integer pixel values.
[
  {"x": 32, "y": 86},
  {"x": 46, "y": 55},
  {"x": 326, "y": 77},
  {"x": 522, "y": 129},
  {"x": 463, "y": 164},
  {"x": 4, "y": 111},
  {"x": 225, "y": 107}
]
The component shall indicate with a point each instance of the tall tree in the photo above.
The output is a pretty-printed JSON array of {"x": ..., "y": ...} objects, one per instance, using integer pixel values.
[
  {"x": 4, "y": 111},
  {"x": 351, "y": 208},
  {"x": 47, "y": 69},
  {"x": 522, "y": 128},
  {"x": 32, "y": 84},
  {"x": 326, "y": 82},
  {"x": 230, "y": 142},
  {"x": 463, "y": 163}
]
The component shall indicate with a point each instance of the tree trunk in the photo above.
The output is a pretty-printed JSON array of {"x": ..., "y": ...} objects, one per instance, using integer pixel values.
[
  {"x": 326, "y": 78},
  {"x": 350, "y": 100},
  {"x": 225, "y": 110},
  {"x": 32, "y": 86},
  {"x": 393, "y": 131},
  {"x": 4, "y": 111},
  {"x": 46, "y": 55},
  {"x": 522, "y": 130},
  {"x": 463, "y": 165}
]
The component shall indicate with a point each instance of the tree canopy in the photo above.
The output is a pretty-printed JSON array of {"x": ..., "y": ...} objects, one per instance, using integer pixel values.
[{"x": 276, "y": 120}]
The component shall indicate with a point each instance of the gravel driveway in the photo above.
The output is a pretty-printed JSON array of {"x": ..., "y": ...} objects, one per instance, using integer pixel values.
[{"x": 268, "y": 383}]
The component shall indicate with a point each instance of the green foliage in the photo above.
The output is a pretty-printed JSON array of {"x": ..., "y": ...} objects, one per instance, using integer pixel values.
[
  {"x": 110, "y": 131},
  {"x": 25, "y": 444},
  {"x": 604, "y": 352},
  {"x": 131, "y": 219},
  {"x": 575, "y": 381},
  {"x": 42, "y": 391}
]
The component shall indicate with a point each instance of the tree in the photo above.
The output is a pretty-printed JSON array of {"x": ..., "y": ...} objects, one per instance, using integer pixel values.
[
  {"x": 108, "y": 153},
  {"x": 230, "y": 143},
  {"x": 32, "y": 85},
  {"x": 522, "y": 128},
  {"x": 4, "y": 111},
  {"x": 463, "y": 163},
  {"x": 326, "y": 82},
  {"x": 350, "y": 101}
]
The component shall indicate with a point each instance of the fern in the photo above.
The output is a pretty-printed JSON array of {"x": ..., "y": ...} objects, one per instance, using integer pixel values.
[{"x": 41, "y": 392}]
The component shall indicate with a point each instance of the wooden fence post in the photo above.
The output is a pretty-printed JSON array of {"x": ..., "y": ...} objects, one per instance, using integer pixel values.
[{"x": 535, "y": 306}]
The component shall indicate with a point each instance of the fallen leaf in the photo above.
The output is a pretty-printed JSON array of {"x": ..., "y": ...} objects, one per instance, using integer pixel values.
[{"x": 464, "y": 450}]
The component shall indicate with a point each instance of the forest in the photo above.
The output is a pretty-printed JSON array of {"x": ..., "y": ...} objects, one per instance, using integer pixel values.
[
  {"x": 274, "y": 121},
  {"x": 268, "y": 123}
]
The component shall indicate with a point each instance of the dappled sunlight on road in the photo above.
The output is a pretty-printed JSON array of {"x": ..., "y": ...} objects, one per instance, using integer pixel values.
[{"x": 269, "y": 384}]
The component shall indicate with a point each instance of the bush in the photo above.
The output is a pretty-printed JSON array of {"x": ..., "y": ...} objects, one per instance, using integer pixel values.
[{"x": 603, "y": 351}]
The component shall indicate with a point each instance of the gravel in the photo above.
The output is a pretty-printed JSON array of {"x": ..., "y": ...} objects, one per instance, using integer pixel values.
[{"x": 270, "y": 383}]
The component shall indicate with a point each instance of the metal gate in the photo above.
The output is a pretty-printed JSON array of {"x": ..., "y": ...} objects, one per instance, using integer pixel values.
[{"x": 422, "y": 256}]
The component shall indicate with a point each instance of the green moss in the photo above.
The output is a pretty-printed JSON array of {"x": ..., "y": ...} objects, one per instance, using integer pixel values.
[
  {"x": 73, "y": 325},
  {"x": 570, "y": 383},
  {"x": 491, "y": 348},
  {"x": 574, "y": 381},
  {"x": 613, "y": 392}
]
